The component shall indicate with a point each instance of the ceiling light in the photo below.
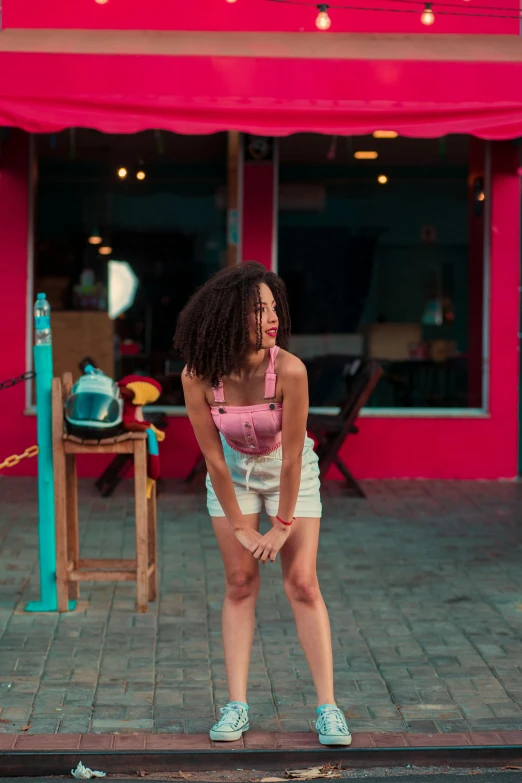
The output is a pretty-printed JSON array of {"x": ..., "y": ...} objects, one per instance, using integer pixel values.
[
  {"x": 366, "y": 155},
  {"x": 95, "y": 238},
  {"x": 384, "y": 134},
  {"x": 105, "y": 250},
  {"x": 382, "y": 179}
]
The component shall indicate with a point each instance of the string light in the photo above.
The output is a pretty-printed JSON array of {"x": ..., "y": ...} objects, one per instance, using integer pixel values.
[
  {"x": 382, "y": 179},
  {"x": 231, "y": 1},
  {"x": 105, "y": 250},
  {"x": 427, "y": 17},
  {"x": 323, "y": 21},
  {"x": 101, "y": 2},
  {"x": 122, "y": 172},
  {"x": 463, "y": 12},
  {"x": 457, "y": 5},
  {"x": 140, "y": 175}
]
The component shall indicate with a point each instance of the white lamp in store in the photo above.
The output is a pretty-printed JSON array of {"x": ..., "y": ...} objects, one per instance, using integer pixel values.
[{"x": 123, "y": 285}]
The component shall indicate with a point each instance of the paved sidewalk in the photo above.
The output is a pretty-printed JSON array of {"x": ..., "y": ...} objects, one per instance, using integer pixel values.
[{"x": 423, "y": 582}]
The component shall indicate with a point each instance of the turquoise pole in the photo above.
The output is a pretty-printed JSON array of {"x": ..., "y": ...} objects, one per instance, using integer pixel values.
[{"x": 43, "y": 365}]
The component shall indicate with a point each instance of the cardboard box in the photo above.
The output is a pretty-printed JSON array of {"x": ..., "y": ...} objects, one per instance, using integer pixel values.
[
  {"x": 56, "y": 289},
  {"x": 391, "y": 341},
  {"x": 80, "y": 333}
]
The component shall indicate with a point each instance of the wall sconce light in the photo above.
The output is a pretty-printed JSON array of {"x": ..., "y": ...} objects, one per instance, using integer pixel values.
[{"x": 479, "y": 196}]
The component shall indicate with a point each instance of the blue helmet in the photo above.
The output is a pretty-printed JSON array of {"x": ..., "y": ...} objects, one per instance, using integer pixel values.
[{"x": 94, "y": 408}]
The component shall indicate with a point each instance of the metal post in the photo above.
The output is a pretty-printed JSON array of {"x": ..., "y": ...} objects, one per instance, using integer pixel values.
[{"x": 43, "y": 365}]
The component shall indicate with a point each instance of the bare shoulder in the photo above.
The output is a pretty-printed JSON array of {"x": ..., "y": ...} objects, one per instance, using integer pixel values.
[
  {"x": 290, "y": 367},
  {"x": 192, "y": 383}
]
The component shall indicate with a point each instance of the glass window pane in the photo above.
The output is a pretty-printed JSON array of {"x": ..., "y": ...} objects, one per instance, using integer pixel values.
[
  {"x": 381, "y": 247},
  {"x": 154, "y": 200}
]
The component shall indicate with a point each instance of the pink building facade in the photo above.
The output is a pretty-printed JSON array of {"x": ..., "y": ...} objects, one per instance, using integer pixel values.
[{"x": 263, "y": 68}]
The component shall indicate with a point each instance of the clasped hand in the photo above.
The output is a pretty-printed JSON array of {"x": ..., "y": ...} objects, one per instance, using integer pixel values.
[{"x": 265, "y": 547}]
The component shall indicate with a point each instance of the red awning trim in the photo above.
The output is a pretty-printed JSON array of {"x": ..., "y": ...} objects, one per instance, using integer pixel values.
[{"x": 47, "y": 91}]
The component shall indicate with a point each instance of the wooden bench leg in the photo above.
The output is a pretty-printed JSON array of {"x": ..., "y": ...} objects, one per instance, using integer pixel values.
[
  {"x": 73, "y": 545},
  {"x": 60, "y": 498},
  {"x": 60, "y": 511},
  {"x": 153, "y": 547},
  {"x": 142, "y": 545}
]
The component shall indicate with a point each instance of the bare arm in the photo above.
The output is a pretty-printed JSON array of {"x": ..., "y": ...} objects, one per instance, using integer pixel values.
[
  {"x": 295, "y": 412},
  {"x": 210, "y": 444}
]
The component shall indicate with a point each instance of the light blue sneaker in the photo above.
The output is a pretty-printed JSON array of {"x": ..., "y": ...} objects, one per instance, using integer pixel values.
[
  {"x": 331, "y": 726},
  {"x": 232, "y": 724}
]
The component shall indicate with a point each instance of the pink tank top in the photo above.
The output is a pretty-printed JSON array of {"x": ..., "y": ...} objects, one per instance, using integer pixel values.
[{"x": 252, "y": 429}]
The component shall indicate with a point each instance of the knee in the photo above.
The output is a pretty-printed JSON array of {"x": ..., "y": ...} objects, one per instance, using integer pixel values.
[
  {"x": 242, "y": 585},
  {"x": 303, "y": 588}
]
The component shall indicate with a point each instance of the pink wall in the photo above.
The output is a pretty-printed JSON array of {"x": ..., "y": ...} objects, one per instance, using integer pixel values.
[
  {"x": 250, "y": 15},
  {"x": 258, "y": 213},
  {"x": 17, "y": 431}
]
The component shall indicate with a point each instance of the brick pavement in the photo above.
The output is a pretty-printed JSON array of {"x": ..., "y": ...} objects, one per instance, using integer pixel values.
[{"x": 423, "y": 582}]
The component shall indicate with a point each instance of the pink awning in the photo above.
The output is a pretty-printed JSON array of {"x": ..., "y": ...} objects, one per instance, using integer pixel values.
[{"x": 266, "y": 83}]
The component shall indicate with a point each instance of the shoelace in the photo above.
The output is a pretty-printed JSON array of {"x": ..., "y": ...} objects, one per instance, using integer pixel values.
[
  {"x": 231, "y": 717},
  {"x": 333, "y": 721}
]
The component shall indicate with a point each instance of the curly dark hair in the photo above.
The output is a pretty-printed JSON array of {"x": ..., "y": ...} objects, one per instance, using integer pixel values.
[{"x": 212, "y": 329}]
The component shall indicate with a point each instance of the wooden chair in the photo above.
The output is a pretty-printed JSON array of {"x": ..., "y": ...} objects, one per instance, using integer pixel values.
[
  {"x": 331, "y": 431},
  {"x": 70, "y": 568},
  {"x": 120, "y": 466}
]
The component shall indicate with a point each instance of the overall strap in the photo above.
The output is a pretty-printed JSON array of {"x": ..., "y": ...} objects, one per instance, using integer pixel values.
[
  {"x": 219, "y": 392},
  {"x": 270, "y": 375}
]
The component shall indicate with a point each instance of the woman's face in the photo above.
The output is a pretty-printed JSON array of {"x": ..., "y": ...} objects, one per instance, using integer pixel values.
[{"x": 269, "y": 320}]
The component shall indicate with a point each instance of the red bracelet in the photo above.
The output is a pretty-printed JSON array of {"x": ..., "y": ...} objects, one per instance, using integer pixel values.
[{"x": 283, "y": 522}]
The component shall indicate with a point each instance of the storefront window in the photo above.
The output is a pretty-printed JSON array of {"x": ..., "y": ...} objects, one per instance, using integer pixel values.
[
  {"x": 156, "y": 201},
  {"x": 381, "y": 247}
]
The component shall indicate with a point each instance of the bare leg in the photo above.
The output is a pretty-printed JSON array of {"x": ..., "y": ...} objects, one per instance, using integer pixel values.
[
  {"x": 298, "y": 561},
  {"x": 238, "y": 618}
]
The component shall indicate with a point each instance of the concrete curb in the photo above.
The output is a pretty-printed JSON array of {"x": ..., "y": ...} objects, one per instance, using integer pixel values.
[{"x": 37, "y": 755}]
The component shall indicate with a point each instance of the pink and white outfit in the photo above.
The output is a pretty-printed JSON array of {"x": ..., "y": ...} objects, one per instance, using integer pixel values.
[{"x": 251, "y": 437}]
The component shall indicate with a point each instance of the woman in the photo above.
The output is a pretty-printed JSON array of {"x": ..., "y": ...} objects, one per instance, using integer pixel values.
[{"x": 247, "y": 400}]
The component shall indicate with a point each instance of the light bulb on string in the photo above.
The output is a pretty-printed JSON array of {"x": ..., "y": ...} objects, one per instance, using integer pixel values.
[
  {"x": 122, "y": 172},
  {"x": 140, "y": 175},
  {"x": 323, "y": 21},
  {"x": 105, "y": 250},
  {"x": 101, "y": 2},
  {"x": 428, "y": 17},
  {"x": 231, "y": 1},
  {"x": 382, "y": 179}
]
